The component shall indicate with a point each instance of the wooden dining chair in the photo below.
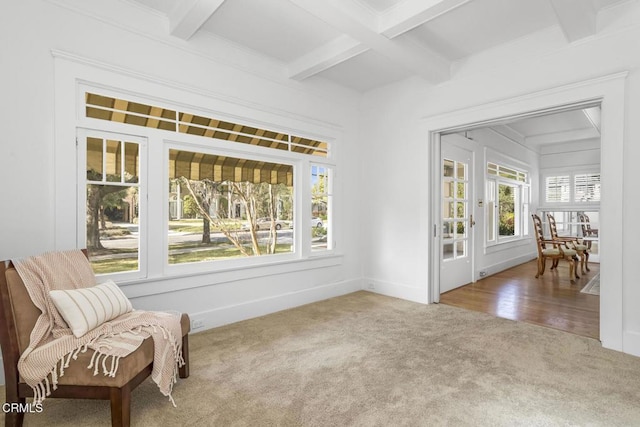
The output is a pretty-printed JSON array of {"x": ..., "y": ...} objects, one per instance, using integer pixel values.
[
  {"x": 587, "y": 231},
  {"x": 554, "y": 250},
  {"x": 573, "y": 242}
]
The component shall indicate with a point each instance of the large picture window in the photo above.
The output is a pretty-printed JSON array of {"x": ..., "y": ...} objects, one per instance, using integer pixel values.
[
  {"x": 228, "y": 207},
  {"x": 192, "y": 192}
]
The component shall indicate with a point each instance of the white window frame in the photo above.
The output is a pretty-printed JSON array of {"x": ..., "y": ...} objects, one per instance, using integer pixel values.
[
  {"x": 572, "y": 203},
  {"x": 587, "y": 182},
  {"x": 82, "y": 134},
  {"x": 329, "y": 193},
  {"x": 154, "y": 260},
  {"x": 240, "y": 262},
  {"x": 522, "y": 205}
]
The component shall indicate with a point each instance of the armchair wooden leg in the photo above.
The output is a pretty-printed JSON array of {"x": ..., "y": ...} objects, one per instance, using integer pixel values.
[
  {"x": 183, "y": 371},
  {"x": 14, "y": 418},
  {"x": 120, "y": 406},
  {"x": 573, "y": 266},
  {"x": 586, "y": 261}
]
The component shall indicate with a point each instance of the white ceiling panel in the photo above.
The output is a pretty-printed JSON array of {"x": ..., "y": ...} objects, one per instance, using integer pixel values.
[
  {"x": 380, "y": 5},
  {"x": 423, "y": 37},
  {"x": 483, "y": 24},
  {"x": 275, "y": 28},
  {"x": 554, "y": 123},
  {"x": 163, "y": 6},
  {"x": 365, "y": 71}
]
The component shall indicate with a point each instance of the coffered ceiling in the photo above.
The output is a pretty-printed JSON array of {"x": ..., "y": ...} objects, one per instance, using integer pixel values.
[
  {"x": 363, "y": 44},
  {"x": 543, "y": 130}
]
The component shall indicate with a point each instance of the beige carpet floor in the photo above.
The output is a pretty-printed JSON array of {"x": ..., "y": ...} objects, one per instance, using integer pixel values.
[{"x": 369, "y": 360}]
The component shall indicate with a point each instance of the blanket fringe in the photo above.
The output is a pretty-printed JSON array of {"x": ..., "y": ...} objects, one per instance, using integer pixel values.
[{"x": 99, "y": 358}]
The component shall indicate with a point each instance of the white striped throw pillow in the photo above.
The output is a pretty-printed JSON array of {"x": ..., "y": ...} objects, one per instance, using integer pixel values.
[{"x": 87, "y": 308}]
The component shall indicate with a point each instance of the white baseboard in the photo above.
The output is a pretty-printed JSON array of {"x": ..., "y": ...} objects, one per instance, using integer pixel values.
[
  {"x": 504, "y": 265},
  {"x": 396, "y": 290},
  {"x": 248, "y": 310}
]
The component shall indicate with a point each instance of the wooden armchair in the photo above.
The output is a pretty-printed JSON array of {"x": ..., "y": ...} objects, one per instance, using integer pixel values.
[
  {"x": 572, "y": 242},
  {"x": 555, "y": 252},
  {"x": 587, "y": 231},
  {"x": 18, "y": 316}
]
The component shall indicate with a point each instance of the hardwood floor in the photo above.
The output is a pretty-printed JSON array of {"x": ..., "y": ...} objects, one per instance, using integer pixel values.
[{"x": 551, "y": 300}]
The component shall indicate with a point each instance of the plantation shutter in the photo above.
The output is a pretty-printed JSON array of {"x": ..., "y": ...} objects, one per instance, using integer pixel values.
[
  {"x": 557, "y": 189},
  {"x": 587, "y": 187}
]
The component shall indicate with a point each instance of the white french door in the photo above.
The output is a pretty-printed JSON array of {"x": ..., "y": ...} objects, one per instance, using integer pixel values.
[{"x": 456, "y": 215}]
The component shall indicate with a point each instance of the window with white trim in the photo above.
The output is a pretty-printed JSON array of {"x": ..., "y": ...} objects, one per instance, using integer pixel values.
[
  {"x": 230, "y": 192},
  {"x": 321, "y": 207},
  {"x": 507, "y": 208},
  {"x": 578, "y": 188},
  {"x": 557, "y": 189},
  {"x": 113, "y": 194},
  {"x": 235, "y": 207},
  {"x": 586, "y": 187}
]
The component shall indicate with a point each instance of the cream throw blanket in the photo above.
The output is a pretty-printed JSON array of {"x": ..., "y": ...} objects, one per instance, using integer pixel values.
[{"x": 52, "y": 344}]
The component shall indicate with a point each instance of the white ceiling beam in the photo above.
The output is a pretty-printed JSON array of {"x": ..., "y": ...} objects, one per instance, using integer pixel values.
[
  {"x": 188, "y": 16},
  {"x": 417, "y": 59},
  {"x": 577, "y": 18},
  {"x": 326, "y": 56},
  {"x": 571, "y": 135},
  {"x": 410, "y": 14},
  {"x": 509, "y": 133}
]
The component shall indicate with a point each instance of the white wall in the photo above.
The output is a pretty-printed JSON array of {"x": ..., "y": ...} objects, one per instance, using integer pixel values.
[
  {"x": 398, "y": 157},
  {"x": 499, "y": 149},
  {"x": 27, "y": 169}
]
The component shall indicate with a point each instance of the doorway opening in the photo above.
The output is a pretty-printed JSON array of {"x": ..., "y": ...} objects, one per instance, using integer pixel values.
[
  {"x": 607, "y": 93},
  {"x": 547, "y": 165}
]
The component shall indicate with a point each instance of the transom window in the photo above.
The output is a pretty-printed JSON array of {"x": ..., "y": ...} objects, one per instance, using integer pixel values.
[
  {"x": 505, "y": 172},
  {"x": 138, "y": 114}
]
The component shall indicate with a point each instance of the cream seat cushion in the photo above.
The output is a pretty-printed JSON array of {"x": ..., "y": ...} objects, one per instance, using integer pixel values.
[
  {"x": 85, "y": 309},
  {"x": 556, "y": 252}
]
